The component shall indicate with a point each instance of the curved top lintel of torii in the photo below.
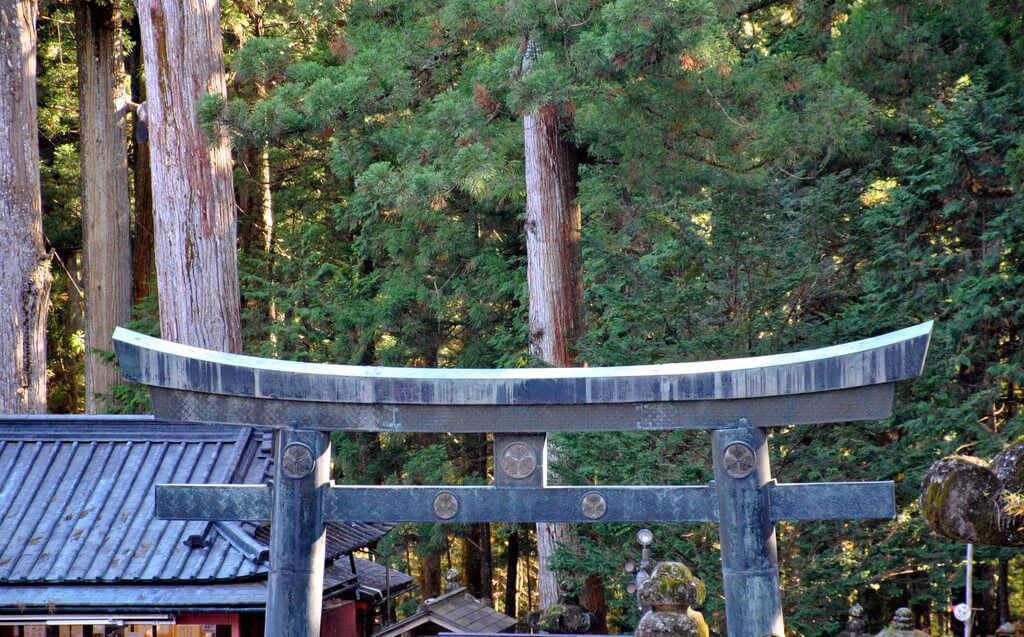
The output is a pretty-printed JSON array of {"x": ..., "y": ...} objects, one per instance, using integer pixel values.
[{"x": 190, "y": 383}]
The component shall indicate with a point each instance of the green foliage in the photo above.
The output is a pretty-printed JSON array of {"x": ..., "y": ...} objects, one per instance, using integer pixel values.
[
  {"x": 751, "y": 182},
  {"x": 791, "y": 178}
]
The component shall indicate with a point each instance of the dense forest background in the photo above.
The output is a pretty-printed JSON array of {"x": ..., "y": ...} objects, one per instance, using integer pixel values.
[{"x": 752, "y": 178}]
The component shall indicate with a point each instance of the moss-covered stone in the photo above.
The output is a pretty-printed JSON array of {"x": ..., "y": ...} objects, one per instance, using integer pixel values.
[
  {"x": 671, "y": 584},
  {"x": 902, "y": 625},
  {"x": 570, "y": 619},
  {"x": 670, "y": 592},
  {"x": 965, "y": 499},
  {"x": 672, "y": 624}
]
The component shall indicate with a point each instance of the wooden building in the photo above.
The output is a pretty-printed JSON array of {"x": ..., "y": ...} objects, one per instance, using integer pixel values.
[
  {"x": 454, "y": 612},
  {"x": 82, "y": 554}
]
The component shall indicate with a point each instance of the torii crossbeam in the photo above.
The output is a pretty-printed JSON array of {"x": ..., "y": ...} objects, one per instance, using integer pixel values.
[{"x": 737, "y": 399}]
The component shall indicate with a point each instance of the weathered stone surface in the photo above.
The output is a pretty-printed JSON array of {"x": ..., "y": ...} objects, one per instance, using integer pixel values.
[
  {"x": 566, "y": 617},
  {"x": 902, "y": 625},
  {"x": 563, "y": 619},
  {"x": 452, "y": 580},
  {"x": 856, "y": 626},
  {"x": 965, "y": 499},
  {"x": 669, "y": 592},
  {"x": 671, "y": 584},
  {"x": 1009, "y": 467},
  {"x": 1007, "y": 629}
]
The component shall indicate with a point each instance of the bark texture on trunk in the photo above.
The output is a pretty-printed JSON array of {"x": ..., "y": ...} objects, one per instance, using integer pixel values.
[
  {"x": 486, "y": 565},
  {"x": 256, "y": 228},
  {"x": 143, "y": 262},
  {"x": 549, "y": 536},
  {"x": 593, "y": 600},
  {"x": 469, "y": 569},
  {"x": 193, "y": 196},
  {"x": 554, "y": 270},
  {"x": 1003, "y": 592},
  {"x": 430, "y": 575},
  {"x": 512, "y": 572},
  {"x": 554, "y": 267},
  {"x": 25, "y": 267},
  {"x": 106, "y": 217}
]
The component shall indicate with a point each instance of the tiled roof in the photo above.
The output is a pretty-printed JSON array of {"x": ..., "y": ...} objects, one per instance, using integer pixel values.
[
  {"x": 76, "y": 507},
  {"x": 380, "y": 581},
  {"x": 77, "y": 501},
  {"x": 342, "y": 537},
  {"x": 474, "y": 616},
  {"x": 456, "y": 612}
]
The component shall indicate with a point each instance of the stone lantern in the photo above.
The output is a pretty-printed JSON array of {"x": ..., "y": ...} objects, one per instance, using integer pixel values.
[
  {"x": 670, "y": 592},
  {"x": 567, "y": 617},
  {"x": 902, "y": 625},
  {"x": 857, "y": 625}
]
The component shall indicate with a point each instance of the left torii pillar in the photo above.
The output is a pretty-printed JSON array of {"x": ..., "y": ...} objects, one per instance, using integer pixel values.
[{"x": 295, "y": 583}]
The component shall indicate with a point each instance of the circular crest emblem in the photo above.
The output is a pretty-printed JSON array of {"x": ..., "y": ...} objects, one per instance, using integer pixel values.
[
  {"x": 739, "y": 460},
  {"x": 593, "y": 505},
  {"x": 297, "y": 460},
  {"x": 446, "y": 505},
  {"x": 518, "y": 461}
]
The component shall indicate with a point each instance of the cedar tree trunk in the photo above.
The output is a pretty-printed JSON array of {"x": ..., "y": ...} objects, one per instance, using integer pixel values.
[
  {"x": 24, "y": 267},
  {"x": 512, "y": 572},
  {"x": 486, "y": 565},
  {"x": 430, "y": 575},
  {"x": 143, "y": 263},
  {"x": 106, "y": 218},
  {"x": 194, "y": 222},
  {"x": 554, "y": 270}
]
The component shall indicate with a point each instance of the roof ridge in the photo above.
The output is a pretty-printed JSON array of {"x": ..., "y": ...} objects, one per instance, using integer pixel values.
[
  {"x": 444, "y": 596},
  {"x": 103, "y": 428}
]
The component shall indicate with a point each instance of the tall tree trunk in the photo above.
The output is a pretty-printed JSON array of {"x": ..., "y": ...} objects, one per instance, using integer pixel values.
[
  {"x": 470, "y": 566},
  {"x": 486, "y": 564},
  {"x": 476, "y": 566},
  {"x": 143, "y": 261},
  {"x": 106, "y": 218},
  {"x": 593, "y": 600},
  {"x": 430, "y": 575},
  {"x": 194, "y": 219},
  {"x": 255, "y": 200},
  {"x": 554, "y": 270},
  {"x": 256, "y": 228},
  {"x": 512, "y": 572},
  {"x": 1003, "y": 594},
  {"x": 25, "y": 267}
]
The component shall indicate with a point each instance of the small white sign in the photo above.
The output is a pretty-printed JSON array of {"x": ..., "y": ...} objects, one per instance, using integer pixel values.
[{"x": 962, "y": 612}]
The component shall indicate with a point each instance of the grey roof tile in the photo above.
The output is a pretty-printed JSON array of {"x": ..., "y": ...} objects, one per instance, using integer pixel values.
[
  {"x": 459, "y": 607},
  {"x": 76, "y": 506}
]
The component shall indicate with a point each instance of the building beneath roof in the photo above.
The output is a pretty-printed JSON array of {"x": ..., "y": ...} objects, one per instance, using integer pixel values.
[
  {"x": 80, "y": 547},
  {"x": 454, "y": 612}
]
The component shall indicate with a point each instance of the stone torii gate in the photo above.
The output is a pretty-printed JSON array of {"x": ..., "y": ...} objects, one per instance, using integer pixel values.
[{"x": 737, "y": 399}]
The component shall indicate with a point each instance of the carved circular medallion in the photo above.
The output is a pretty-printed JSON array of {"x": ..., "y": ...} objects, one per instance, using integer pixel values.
[
  {"x": 739, "y": 460},
  {"x": 518, "y": 461},
  {"x": 446, "y": 505},
  {"x": 593, "y": 505},
  {"x": 297, "y": 460}
]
